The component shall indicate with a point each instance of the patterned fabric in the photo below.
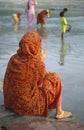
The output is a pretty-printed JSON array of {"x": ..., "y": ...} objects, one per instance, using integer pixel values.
[
  {"x": 40, "y": 17},
  {"x": 28, "y": 88}
]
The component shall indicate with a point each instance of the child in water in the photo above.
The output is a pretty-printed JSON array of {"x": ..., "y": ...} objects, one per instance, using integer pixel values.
[{"x": 64, "y": 24}]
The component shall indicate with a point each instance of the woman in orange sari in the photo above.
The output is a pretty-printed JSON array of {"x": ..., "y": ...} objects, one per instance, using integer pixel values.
[{"x": 29, "y": 89}]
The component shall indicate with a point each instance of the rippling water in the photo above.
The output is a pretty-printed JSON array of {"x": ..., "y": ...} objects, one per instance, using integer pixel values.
[{"x": 66, "y": 59}]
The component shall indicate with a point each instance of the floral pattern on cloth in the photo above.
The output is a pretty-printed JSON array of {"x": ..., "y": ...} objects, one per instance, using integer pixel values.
[{"x": 28, "y": 89}]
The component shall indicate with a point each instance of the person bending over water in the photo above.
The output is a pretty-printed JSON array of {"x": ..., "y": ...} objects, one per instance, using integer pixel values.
[
  {"x": 41, "y": 17},
  {"x": 28, "y": 88},
  {"x": 17, "y": 18}
]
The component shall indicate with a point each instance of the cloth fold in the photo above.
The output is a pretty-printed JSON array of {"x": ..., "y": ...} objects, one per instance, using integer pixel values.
[{"x": 24, "y": 73}]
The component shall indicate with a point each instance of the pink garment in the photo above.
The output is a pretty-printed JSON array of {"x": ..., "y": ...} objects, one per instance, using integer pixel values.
[
  {"x": 58, "y": 100},
  {"x": 30, "y": 12}
]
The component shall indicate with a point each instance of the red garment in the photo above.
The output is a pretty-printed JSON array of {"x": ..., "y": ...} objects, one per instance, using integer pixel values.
[
  {"x": 28, "y": 89},
  {"x": 40, "y": 17}
]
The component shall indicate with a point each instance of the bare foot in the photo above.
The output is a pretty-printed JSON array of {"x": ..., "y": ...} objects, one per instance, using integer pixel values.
[{"x": 63, "y": 115}]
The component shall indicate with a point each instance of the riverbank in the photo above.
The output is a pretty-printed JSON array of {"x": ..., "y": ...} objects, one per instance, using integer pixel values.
[{"x": 12, "y": 121}]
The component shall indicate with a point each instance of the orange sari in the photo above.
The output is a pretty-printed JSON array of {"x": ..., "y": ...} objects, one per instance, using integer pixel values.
[{"x": 28, "y": 89}]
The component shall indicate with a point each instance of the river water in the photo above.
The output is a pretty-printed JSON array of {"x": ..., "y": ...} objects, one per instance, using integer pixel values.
[{"x": 66, "y": 59}]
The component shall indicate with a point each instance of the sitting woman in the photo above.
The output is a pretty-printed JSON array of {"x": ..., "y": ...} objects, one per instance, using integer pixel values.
[
  {"x": 41, "y": 16},
  {"x": 28, "y": 88}
]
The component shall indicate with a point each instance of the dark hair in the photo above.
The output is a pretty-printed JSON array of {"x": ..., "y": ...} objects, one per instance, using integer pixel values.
[
  {"x": 61, "y": 14},
  {"x": 28, "y": 6},
  {"x": 65, "y": 10}
]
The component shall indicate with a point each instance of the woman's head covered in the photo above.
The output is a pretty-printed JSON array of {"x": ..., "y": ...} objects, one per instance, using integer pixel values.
[{"x": 30, "y": 44}]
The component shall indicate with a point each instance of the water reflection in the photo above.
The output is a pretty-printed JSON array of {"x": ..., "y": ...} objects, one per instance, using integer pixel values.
[
  {"x": 63, "y": 51},
  {"x": 42, "y": 32},
  {"x": 16, "y": 27}
]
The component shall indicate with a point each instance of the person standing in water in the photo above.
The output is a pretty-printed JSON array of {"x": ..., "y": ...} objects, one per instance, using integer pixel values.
[
  {"x": 17, "y": 20},
  {"x": 64, "y": 25},
  {"x": 30, "y": 12}
]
